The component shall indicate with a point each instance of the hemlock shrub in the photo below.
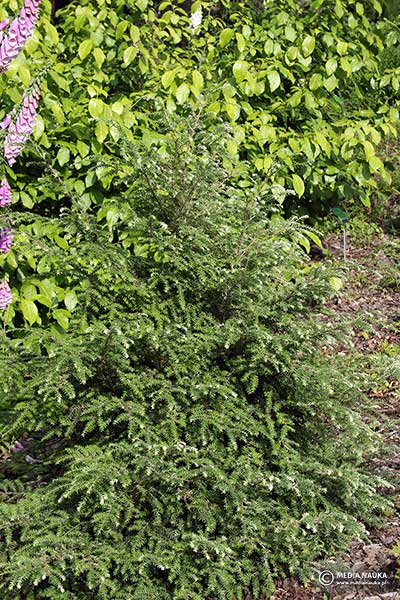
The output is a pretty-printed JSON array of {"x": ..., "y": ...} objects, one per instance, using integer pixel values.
[{"x": 182, "y": 436}]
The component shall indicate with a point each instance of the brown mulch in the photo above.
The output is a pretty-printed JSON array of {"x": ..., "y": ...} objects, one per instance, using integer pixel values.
[{"x": 362, "y": 293}]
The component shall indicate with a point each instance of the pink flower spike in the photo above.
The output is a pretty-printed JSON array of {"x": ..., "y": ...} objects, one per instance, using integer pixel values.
[
  {"x": 5, "y": 193},
  {"x": 5, "y": 295},
  {"x": 19, "y": 132},
  {"x": 6, "y": 238},
  {"x": 20, "y": 30}
]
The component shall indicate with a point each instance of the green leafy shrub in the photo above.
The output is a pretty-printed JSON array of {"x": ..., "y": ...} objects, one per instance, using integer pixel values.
[
  {"x": 186, "y": 437},
  {"x": 305, "y": 87},
  {"x": 294, "y": 77}
]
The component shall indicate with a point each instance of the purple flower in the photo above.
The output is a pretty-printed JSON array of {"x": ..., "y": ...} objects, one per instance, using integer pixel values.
[
  {"x": 6, "y": 238},
  {"x": 19, "y": 131},
  {"x": 5, "y": 295},
  {"x": 6, "y": 121},
  {"x": 3, "y": 25},
  {"x": 5, "y": 193},
  {"x": 19, "y": 31},
  {"x": 17, "y": 447}
]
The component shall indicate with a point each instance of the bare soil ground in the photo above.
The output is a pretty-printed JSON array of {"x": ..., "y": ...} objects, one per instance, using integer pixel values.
[{"x": 372, "y": 288}]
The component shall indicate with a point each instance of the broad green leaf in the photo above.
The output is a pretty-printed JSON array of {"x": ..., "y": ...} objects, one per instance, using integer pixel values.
[
  {"x": 295, "y": 99},
  {"x": 79, "y": 187},
  {"x": 99, "y": 57},
  {"x": 121, "y": 28},
  {"x": 26, "y": 200},
  {"x": 274, "y": 80},
  {"x": 315, "y": 81},
  {"x": 43, "y": 300},
  {"x": 303, "y": 241},
  {"x": 61, "y": 242},
  {"x": 229, "y": 91},
  {"x": 101, "y": 131},
  {"x": 129, "y": 55},
  {"x": 62, "y": 317},
  {"x": 28, "y": 291},
  {"x": 24, "y": 74},
  {"x": 83, "y": 148},
  {"x": 269, "y": 47},
  {"x": 134, "y": 32},
  {"x": 359, "y": 8},
  {"x": 225, "y": 37},
  {"x": 290, "y": 33},
  {"x": 298, "y": 185},
  {"x": 12, "y": 260},
  {"x": 240, "y": 70},
  {"x": 112, "y": 216},
  {"x": 95, "y": 107},
  {"x": 279, "y": 193},
  {"x": 233, "y": 110},
  {"x": 241, "y": 42},
  {"x": 322, "y": 142},
  {"x": 331, "y": 83},
  {"x": 60, "y": 81},
  {"x": 385, "y": 80},
  {"x": 336, "y": 283},
  {"x": 339, "y": 10},
  {"x": 47, "y": 288},
  {"x": 331, "y": 66},
  {"x": 292, "y": 53},
  {"x": 365, "y": 199},
  {"x": 375, "y": 163},
  {"x": 8, "y": 314},
  {"x": 167, "y": 79},
  {"x": 55, "y": 108},
  {"x": 63, "y": 156},
  {"x": 38, "y": 127},
  {"x": 29, "y": 310},
  {"x": 315, "y": 238},
  {"x": 70, "y": 300},
  {"x": 369, "y": 150},
  {"x": 377, "y": 6},
  {"x": 117, "y": 108},
  {"x": 84, "y": 48},
  {"x": 182, "y": 93},
  {"x": 342, "y": 47},
  {"x": 308, "y": 45},
  {"x": 51, "y": 31},
  {"x": 353, "y": 22},
  {"x": 198, "y": 81},
  {"x": 214, "y": 108},
  {"x": 309, "y": 100}
]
